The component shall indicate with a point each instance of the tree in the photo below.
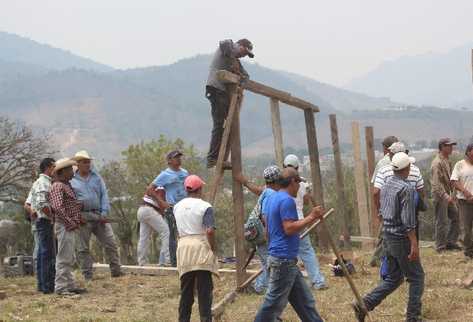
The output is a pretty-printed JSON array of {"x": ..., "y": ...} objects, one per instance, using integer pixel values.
[{"x": 20, "y": 153}]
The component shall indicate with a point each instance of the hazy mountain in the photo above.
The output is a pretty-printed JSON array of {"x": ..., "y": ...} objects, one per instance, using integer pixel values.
[
  {"x": 441, "y": 79},
  {"x": 18, "y": 49}
]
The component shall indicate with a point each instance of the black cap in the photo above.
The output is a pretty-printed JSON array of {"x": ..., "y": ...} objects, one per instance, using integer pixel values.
[{"x": 173, "y": 154}]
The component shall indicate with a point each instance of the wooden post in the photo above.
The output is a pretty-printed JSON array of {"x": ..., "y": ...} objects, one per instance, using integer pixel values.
[
  {"x": 360, "y": 184},
  {"x": 316, "y": 176},
  {"x": 238, "y": 200},
  {"x": 369, "y": 139},
  {"x": 277, "y": 132},
  {"x": 341, "y": 201}
]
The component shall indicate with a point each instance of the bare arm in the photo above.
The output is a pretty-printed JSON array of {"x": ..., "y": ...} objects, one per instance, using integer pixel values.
[
  {"x": 254, "y": 188},
  {"x": 158, "y": 195},
  {"x": 210, "y": 232},
  {"x": 459, "y": 187},
  {"x": 414, "y": 253},
  {"x": 292, "y": 227}
]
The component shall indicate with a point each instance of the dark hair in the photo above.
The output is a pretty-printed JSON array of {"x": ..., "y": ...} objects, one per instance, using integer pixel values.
[
  {"x": 287, "y": 175},
  {"x": 469, "y": 147},
  {"x": 45, "y": 164}
]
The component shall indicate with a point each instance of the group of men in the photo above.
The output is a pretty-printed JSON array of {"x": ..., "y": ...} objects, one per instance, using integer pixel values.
[{"x": 64, "y": 204}]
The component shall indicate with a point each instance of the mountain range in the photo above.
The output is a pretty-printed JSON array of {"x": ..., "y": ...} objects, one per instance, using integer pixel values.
[{"x": 89, "y": 105}]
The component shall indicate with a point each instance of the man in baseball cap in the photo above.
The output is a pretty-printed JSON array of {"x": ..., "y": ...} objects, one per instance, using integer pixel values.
[
  {"x": 226, "y": 57},
  {"x": 447, "y": 223},
  {"x": 402, "y": 248},
  {"x": 196, "y": 261}
]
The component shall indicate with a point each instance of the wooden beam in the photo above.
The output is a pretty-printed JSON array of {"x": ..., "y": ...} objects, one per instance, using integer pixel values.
[
  {"x": 258, "y": 88},
  {"x": 219, "y": 308},
  {"x": 238, "y": 200},
  {"x": 317, "y": 191},
  {"x": 154, "y": 270},
  {"x": 235, "y": 102},
  {"x": 360, "y": 184},
  {"x": 369, "y": 140},
  {"x": 341, "y": 201},
  {"x": 277, "y": 132}
]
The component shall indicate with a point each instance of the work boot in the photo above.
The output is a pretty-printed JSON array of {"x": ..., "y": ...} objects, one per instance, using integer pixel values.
[
  {"x": 78, "y": 290},
  {"x": 417, "y": 319},
  {"x": 360, "y": 313},
  {"x": 117, "y": 274},
  {"x": 453, "y": 247}
]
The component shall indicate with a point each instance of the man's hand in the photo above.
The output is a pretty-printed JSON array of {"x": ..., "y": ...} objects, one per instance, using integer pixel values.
[
  {"x": 414, "y": 254},
  {"x": 450, "y": 199},
  {"x": 316, "y": 213},
  {"x": 82, "y": 221},
  {"x": 103, "y": 220},
  {"x": 241, "y": 178},
  {"x": 33, "y": 215},
  {"x": 467, "y": 194}
]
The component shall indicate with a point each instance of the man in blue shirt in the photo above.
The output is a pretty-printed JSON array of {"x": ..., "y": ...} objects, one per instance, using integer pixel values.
[
  {"x": 286, "y": 282},
  {"x": 167, "y": 190},
  {"x": 90, "y": 190}
]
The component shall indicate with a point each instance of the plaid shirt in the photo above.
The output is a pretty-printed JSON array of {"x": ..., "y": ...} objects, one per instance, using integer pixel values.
[
  {"x": 65, "y": 205},
  {"x": 398, "y": 207}
]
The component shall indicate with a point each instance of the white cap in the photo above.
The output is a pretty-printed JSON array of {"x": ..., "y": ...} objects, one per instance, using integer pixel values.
[
  {"x": 291, "y": 160},
  {"x": 397, "y": 147},
  {"x": 401, "y": 160}
]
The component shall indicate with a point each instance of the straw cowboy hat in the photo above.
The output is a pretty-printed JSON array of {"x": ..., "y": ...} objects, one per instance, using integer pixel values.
[
  {"x": 82, "y": 155},
  {"x": 63, "y": 163}
]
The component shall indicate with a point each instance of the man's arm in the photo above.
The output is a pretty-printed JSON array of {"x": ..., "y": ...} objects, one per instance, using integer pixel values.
[
  {"x": 377, "y": 200},
  {"x": 159, "y": 195},
  {"x": 292, "y": 227},
  {"x": 254, "y": 188},
  {"x": 43, "y": 201},
  {"x": 209, "y": 224},
  {"x": 460, "y": 187},
  {"x": 104, "y": 200},
  {"x": 437, "y": 187}
]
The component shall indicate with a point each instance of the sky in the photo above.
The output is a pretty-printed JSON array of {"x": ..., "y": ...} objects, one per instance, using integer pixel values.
[{"x": 331, "y": 41}]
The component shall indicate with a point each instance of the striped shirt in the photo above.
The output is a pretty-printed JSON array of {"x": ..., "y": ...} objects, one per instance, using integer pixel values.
[
  {"x": 386, "y": 172},
  {"x": 398, "y": 207}
]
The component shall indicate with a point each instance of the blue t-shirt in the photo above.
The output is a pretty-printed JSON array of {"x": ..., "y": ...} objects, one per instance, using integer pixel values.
[
  {"x": 265, "y": 197},
  {"x": 173, "y": 183},
  {"x": 282, "y": 207}
]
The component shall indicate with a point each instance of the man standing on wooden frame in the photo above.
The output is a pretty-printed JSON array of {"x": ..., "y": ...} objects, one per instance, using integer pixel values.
[
  {"x": 286, "y": 283},
  {"x": 227, "y": 57}
]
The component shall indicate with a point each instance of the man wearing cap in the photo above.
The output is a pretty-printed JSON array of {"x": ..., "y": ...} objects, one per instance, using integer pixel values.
[
  {"x": 286, "y": 283},
  {"x": 306, "y": 250},
  {"x": 447, "y": 227},
  {"x": 227, "y": 57},
  {"x": 386, "y": 159},
  {"x": 383, "y": 174},
  {"x": 39, "y": 201},
  {"x": 400, "y": 243},
  {"x": 163, "y": 193},
  {"x": 91, "y": 191},
  {"x": 271, "y": 177},
  {"x": 66, "y": 209},
  {"x": 196, "y": 250},
  {"x": 462, "y": 179}
]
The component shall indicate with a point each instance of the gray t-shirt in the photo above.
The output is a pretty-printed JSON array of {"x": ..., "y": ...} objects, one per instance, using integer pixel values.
[{"x": 224, "y": 58}]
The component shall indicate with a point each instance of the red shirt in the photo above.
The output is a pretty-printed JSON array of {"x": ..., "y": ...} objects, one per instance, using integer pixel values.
[{"x": 65, "y": 205}]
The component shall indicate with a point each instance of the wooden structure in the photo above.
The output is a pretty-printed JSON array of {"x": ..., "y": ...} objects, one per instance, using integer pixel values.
[{"x": 370, "y": 157}]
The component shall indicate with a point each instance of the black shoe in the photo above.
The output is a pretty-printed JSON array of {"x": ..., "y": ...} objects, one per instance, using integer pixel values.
[
  {"x": 418, "y": 319},
  {"x": 441, "y": 250},
  {"x": 211, "y": 163},
  {"x": 454, "y": 247},
  {"x": 78, "y": 290},
  {"x": 360, "y": 313},
  {"x": 118, "y": 274}
]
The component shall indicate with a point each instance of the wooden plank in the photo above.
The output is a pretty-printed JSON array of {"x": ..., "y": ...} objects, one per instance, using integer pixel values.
[
  {"x": 235, "y": 102},
  {"x": 360, "y": 239},
  {"x": 154, "y": 270},
  {"x": 238, "y": 200},
  {"x": 360, "y": 184},
  {"x": 277, "y": 132},
  {"x": 369, "y": 139},
  {"x": 258, "y": 88},
  {"x": 341, "y": 201},
  {"x": 219, "y": 308},
  {"x": 316, "y": 176}
]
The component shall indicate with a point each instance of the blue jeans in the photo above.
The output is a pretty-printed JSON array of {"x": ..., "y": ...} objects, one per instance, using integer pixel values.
[
  {"x": 311, "y": 263},
  {"x": 286, "y": 284},
  {"x": 261, "y": 282},
  {"x": 46, "y": 262},
  {"x": 398, "y": 268}
]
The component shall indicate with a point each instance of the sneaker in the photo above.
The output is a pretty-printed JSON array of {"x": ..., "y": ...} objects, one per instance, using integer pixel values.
[
  {"x": 320, "y": 287},
  {"x": 211, "y": 163},
  {"x": 417, "y": 319},
  {"x": 78, "y": 290},
  {"x": 66, "y": 293},
  {"x": 117, "y": 274},
  {"x": 360, "y": 314},
  {"x": 454, "y": 247},
  {"x": 250, "y": 289}
]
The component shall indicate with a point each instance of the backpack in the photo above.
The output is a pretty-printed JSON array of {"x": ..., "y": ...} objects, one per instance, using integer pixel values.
[{"x": 254, "y": 228}]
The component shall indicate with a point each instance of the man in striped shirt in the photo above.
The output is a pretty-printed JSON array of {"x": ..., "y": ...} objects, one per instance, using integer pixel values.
[
  {"x": 402, "y": 259},
  {"x": 383, "y": 174}
]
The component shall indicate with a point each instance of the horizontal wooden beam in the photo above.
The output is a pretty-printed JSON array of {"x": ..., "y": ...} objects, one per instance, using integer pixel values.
[
  {"x": 153, "y": 270},
  {"x": 258, "y": 88}
]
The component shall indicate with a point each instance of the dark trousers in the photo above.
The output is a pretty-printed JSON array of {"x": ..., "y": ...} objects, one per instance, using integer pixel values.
[
  {"x": 466, "y": 214},
  {"x": 220, "y": 102},
  {"x": 399, "y": 267},
  {"x": 204, "y": 283},
  {"x": 46, "y": 263},
  {"x": 169, "y": 215}
]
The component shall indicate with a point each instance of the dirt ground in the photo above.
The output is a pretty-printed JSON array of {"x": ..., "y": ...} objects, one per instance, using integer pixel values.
[{"x": 147, "y": 298}]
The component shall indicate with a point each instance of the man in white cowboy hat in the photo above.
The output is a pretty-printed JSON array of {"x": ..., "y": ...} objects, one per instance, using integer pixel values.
[
  {"x": 91, "y": 191},
  {"x": 402, "y": 258},
  {"x": 66, "y": 210}
]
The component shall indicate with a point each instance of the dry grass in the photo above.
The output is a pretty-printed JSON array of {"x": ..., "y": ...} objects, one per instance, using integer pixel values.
[{"x": 141, "y": 298}]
